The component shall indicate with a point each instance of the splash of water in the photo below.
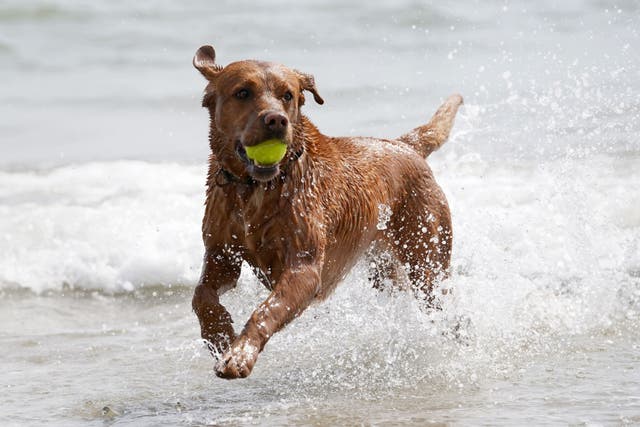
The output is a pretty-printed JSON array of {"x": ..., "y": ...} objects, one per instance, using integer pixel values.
[{"x": 384, "y": 215}]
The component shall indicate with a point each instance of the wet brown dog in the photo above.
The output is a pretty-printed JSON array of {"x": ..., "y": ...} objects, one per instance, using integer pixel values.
[{"x": 305, "y": 221}]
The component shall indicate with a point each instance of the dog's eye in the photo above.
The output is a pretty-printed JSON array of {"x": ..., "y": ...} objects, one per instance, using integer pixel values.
[
  {"x": 242, "y": 94},
  {"x": 288, "y": 96}
]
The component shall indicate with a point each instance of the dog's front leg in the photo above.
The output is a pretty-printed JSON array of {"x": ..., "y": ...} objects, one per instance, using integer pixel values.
[
  {"x": 293, "y": 293},
  {"x": 220, "y": 273}
]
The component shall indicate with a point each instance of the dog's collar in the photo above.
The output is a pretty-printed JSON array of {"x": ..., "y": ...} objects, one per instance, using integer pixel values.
[{"x": 223, "y": 177}]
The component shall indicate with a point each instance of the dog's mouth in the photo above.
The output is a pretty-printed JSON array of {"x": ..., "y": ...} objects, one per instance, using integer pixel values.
[{"x": 257, "y": 171}]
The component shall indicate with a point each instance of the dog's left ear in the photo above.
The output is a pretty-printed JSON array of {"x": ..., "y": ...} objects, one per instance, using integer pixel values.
[
  {"x": 205, "y": 61},
  {"x": 307, "y": 82}
]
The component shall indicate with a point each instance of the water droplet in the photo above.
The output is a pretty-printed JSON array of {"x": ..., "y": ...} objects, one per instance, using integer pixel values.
[{"x": 384, "y": 215}]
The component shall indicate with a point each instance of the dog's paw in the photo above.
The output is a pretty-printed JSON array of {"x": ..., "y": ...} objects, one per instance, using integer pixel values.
[{"x": 238, "y": 360}]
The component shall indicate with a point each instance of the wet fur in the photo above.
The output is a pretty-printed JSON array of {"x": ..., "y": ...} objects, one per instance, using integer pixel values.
[{"x": 303, "y": 229}]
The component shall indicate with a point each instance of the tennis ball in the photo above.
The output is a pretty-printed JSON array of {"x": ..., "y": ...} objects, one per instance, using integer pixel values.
[{"x": 268, "y": 152}]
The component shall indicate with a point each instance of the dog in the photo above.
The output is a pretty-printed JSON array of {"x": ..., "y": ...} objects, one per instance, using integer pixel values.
[{"x": 303, "y": 223}]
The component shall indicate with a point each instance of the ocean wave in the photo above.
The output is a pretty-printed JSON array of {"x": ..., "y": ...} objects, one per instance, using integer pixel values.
[
  {"x": 108, "y": 226},
  {"x": 34, "y": 12},
  {"x": 117, "y": 226}
]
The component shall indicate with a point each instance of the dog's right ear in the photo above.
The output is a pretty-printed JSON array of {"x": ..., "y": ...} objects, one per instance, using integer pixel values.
[{"x": 205, "y": 61}]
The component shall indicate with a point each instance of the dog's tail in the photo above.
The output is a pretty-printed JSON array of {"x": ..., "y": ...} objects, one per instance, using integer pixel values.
[{"x": 428, "y": 138}]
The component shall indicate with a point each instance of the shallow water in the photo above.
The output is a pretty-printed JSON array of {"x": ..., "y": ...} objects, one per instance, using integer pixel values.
[{"x": 102, "y": 165}]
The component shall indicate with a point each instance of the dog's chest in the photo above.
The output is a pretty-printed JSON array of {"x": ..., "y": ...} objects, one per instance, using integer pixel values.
[
  {"x": 277, "y": 230},
  {"x": 259, "y": 226},
  {"x": 264, "y": 252}
]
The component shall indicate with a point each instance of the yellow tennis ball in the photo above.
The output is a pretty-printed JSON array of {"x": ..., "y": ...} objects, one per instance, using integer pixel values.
[{"x": 268, "y": 152}]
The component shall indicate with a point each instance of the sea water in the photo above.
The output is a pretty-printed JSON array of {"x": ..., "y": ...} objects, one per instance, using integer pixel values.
[{"x": 102, "y": 167}]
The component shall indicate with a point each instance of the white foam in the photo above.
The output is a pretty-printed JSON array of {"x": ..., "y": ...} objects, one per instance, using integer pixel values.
[{"x": 109, "y": 226}]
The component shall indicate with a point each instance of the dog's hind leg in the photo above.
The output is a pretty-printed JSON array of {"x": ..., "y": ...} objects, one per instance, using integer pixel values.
[
  {"x": 382, "y": 267},
  {"x": 422, "y": 242}
]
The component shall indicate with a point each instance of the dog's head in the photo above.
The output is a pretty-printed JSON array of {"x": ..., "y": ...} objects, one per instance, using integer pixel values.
[{"x": 250, "y": 102}]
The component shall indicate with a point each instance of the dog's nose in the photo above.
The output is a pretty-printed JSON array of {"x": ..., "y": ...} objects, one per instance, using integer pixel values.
[{"x": 275, "y": 121}]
